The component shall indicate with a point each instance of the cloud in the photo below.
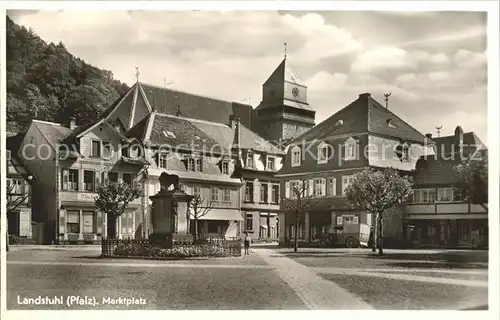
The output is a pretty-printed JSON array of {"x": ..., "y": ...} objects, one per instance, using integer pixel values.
[
  {"x": 468, "y": 59},
  {"x": 324, "y": 81}
]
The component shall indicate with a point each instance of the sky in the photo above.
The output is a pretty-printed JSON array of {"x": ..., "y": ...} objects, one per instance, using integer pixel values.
[{"x": 433, "y": 63}]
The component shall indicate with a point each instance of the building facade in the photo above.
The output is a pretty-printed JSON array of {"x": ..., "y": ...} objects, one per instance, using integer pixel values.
[
  {"x": 71, "y": 162},
  {"x": 437, "y": 215},
  {"x": 325, "y": 158},
  {"x": 19, "y": 195}
]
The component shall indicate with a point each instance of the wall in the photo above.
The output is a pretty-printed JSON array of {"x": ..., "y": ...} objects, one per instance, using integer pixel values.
[{"x": 381, "y": 153}]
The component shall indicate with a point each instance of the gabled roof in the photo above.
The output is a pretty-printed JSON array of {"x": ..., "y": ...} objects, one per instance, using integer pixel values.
[
  {"x": 202, "y": 133},
  {"x": 364, "y": 115},
  {"x": 52, "y": 132},
  {"x": 169, "y": 101},
  {"x": 15, "y": 164},
  {"x": 470, "y": 139},
  {"x": 80, "y": 131}
]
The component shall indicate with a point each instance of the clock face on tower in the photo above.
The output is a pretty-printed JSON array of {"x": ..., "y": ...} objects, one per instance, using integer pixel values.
[{"x": 295, "y": 92}]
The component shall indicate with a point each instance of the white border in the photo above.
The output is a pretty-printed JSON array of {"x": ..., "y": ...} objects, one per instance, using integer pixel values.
[{"x": 493, "y": 140}]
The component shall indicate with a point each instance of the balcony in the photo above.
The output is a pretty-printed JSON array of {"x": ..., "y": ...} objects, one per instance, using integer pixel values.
[{"x": 445, "y": 210}]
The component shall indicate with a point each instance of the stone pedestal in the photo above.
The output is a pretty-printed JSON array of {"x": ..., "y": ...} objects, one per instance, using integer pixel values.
[{"x": 170, "y": 216}]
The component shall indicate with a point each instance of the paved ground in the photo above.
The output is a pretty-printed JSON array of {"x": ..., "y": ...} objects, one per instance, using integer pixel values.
[{"x": 269, "y": 278}]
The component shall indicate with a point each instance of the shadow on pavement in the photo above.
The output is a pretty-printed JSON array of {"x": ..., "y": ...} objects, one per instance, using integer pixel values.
[
  {"x": 452, "y": 257},
  {"x": 438, "y": 265}
]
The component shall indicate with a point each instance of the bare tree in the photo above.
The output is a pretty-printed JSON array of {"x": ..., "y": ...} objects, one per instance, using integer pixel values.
[
  {"x": 200, "y": 209},
  {"x": 14, "y": 200},
  {"x": 300, "y": 200}
]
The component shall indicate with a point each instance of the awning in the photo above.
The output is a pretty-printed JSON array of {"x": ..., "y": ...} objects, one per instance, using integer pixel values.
[{"x": 221, "y": 214}]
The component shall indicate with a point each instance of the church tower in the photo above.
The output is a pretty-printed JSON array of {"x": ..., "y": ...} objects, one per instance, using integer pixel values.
[{"x": 284, "y": 113}]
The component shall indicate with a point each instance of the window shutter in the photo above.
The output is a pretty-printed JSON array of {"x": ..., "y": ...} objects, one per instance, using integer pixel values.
[
  {"x": 323, "y": 187},
  {"x": 287, "y": 189},
  {"x": 339, "y": 220},
  {"x": 65, "y": 179},
  {"x": 99, "y": 222},
  {"x": 62, "y": 222},
  {"x": 311, "y": 188},
  {"x": 334, "y": 187},
  {"x": 355, "y": 220}
]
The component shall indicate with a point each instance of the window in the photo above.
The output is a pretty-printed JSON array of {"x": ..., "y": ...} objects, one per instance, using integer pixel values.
[
  {"x": 191, "y": 164},
  {"x": 226, "y": 195},
  {"x": 350, "y": 150},
  {"x": 88, "y": 180},
  {"x": 16, "y": 185},
  {"x": 127, "y": 178},
  {"x": 127, "y": 223},
  {"x": 96, "y": 149},
  {"x": 113, "y": 176},
  {"x": 319, "y": 187},
  {"x": 250, "y": 160},
  {"x": 295, "y": 188},
  {"x": 225, "y": 167},
  {"x": 464, "y": 231},
  {"x": 162, "y": 160},
  {"x": 214, "y": 194},
  {"x": 402, "y": 152},
  {"x": 348, "y": 219},
  {"x": 106, "y": 153},
  {"x": 196, "y": 191},
  {"x": 249, "y": 222},
  {"x": 169, "y": 134},
  {"x": 263, "y": 192},
  {"x": 445, "y": 194},
  {"x": 296, "y": 156},
  {"x": 339, "y": 123},
  {"x": 346, "y": 182},
  {"x": 331, "y": 189},
  {"x": 275, "y": 193},
  {"x": 270, "y": 163},
  {"x": 390, "y": 123},
  {"x": 73, "y": 221},
  {"x": 212, "y": 226},
  {"x": 199, "y": 164},
  {"x": 88, "y": 221},
  {"x": 424, "y": 195},
  {"x": 70, "y": 179},
  {"x": 322, "y": 153},
  {"x": 125, "y": 152},
  {"x": 249, "y": 192}
]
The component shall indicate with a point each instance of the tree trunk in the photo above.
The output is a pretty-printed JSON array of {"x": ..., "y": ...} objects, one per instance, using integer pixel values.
[
  {"x": 375, "y": 230},
  {"x": 380, "y": 233},
  {"x": 296, "y": 242},
  {"x": 195, "y": 235}
]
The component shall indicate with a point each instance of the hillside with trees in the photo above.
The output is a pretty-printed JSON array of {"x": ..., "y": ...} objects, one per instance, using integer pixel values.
[{"x": 46, "y": 82}]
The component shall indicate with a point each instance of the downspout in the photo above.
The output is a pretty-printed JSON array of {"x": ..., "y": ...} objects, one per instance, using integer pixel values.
[{"x": 58, "y": 199}]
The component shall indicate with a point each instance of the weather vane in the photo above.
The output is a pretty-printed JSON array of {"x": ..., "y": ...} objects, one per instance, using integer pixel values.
[
  {"x": 137, "y": 73},
  {"x": 439, "y": 129},
  {"x": 285, "y": 43},
  {"x": 387, "y": 95}
]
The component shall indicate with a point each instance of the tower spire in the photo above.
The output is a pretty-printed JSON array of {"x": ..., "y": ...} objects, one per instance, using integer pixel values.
[{"x": 285, "y": 44}]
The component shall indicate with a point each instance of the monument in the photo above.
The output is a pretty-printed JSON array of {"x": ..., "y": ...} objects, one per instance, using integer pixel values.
[{"x": 170, "y": 213}]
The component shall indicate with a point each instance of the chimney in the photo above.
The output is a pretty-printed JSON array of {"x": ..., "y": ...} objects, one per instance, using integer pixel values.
[
  {"x": 428, "y": 135},
  {"x": 72, "y": 123}
]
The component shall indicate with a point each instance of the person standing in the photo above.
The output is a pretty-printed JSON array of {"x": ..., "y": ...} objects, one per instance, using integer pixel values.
[{"x": 247, "y": 242}]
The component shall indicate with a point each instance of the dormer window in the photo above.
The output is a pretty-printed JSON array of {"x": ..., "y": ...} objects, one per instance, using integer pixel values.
[
  {"x": 169, "y": 134},
  {"x": 390, "y": 123},
  {"x": 125, "y": 152},
  {"x": 191, "y": 164},
  {"x": 199, "y": 165},
  {"x": 95, "y": 151},
  {"x": 350, "y": 149},
  {"x": 250, "y": 160},
  {"x": 296, "y": 156},
  {"x": 323, "y": 153},
  {"x": 339, "y": 123},
  {"x": 225, "y": 167},
  {"x": 270, "y": 163},
  {"x": 162, "y": 160}
]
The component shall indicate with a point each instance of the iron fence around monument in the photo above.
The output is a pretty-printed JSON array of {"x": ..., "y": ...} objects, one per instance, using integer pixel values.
[{"x": 204, "y": 247}]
